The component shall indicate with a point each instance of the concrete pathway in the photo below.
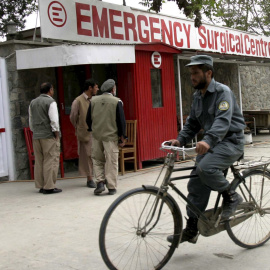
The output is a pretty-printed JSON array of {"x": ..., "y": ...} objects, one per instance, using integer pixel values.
[{"x": 60, "y": 231}]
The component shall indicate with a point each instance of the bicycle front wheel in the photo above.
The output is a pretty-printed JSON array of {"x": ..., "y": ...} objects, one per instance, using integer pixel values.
[
  {"x": 254, "y": 231},
  {"x": 125, "y": 238}
]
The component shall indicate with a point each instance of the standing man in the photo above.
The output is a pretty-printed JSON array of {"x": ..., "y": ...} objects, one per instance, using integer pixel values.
[
  {"x": 215, "y": 110},
  {"x": 77, "y": 117},
  {"x": 44, "y": 122},
  {"x": 106, "y": 120}
]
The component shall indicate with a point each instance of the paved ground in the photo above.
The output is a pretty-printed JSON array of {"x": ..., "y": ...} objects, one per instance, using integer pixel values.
[{"x": 60, "y": 232}]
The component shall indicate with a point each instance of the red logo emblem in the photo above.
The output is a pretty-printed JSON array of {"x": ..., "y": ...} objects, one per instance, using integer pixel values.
[
  {"x": 156, "y": 59},
  {"x": 57, "y": 14}
]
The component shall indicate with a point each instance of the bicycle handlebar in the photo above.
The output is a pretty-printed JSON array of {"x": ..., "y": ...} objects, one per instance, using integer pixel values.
[{"x": 167, "y": 145}]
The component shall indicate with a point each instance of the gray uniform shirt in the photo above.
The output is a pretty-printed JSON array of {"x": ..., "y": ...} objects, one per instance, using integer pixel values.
[{"x": 217, "y": 113}]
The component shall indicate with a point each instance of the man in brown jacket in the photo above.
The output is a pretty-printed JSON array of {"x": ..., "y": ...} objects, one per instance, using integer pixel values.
[{"x": 77, "y": 117}]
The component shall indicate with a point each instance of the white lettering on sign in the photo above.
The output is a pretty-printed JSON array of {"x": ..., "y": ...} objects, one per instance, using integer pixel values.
[
  {"x": 156, "y": 59},
  {"x": 94, "y": 21}
]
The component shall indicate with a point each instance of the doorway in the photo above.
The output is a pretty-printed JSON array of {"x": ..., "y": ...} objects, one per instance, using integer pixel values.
[{"x": 70, "y": 80}]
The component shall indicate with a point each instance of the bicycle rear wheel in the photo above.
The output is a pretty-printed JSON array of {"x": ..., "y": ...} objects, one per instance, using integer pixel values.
[
  {"x": 123, "y": 241},
  {"x": 254, "y": 231}
]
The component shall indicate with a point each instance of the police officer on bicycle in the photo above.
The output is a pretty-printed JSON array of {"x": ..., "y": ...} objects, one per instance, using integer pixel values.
[{"x": 216, "y": 112}]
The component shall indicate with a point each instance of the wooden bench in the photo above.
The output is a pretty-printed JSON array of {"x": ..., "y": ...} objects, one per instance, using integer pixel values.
[
  {"x": 29, "y": 144},
  {"x": 262, "y": 118}
]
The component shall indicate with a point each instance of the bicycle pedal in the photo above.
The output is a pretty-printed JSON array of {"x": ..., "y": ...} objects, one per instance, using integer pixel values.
[{"x": 194, "y": 239}]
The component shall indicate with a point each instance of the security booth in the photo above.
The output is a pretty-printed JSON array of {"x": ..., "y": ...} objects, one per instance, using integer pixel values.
[{"x": 147, "y": 89}]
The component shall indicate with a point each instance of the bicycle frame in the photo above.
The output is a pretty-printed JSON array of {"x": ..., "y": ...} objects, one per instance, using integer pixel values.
[
  {"x": 167, "y": 181},
  {"x": 143, "y": 227}
]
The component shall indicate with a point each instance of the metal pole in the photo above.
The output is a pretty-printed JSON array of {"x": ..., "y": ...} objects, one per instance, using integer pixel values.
[
  {"x": 180, "y": 91},
  {"x": 35, "y": 31},
  {"x": 180, "y": 95},
  {"x": 240, "y": 88}
]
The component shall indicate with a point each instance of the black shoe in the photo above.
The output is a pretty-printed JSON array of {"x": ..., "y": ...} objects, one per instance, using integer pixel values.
[
  {"x": 231, "y": 200},
  {"x": 91, "y": 184},
  {"x": 100, "y": 188},
  {"x": 190, "y": 233},
  {"x": 41, "y": 190},
  {"x": 52, "y": 191},
  {"x": 190, "y": 236},
  {"x": 112, "y": 191}
]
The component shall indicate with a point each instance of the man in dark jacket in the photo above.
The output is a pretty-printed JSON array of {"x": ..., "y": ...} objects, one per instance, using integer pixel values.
[
  {"x": 106, "y": 120},
  {"x": 215, "y": 110}
]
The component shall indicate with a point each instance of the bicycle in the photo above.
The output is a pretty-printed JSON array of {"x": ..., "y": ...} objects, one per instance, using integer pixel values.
[{"x": 134, "y": 229}]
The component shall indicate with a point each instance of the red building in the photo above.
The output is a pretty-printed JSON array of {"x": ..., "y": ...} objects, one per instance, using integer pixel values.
[{"x": 148, "y": 93}]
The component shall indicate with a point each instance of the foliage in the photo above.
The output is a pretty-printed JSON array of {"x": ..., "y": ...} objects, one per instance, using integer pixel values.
[
  {"x": 15, "y": 10},
  {"x": 246, "y": 15},
  {"x": 191, "y": 8}
]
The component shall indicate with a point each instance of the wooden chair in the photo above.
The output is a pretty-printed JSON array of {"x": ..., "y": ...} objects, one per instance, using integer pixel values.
[
  {"x": 128, "y": 152},
  {"x": 29, "y": 143}
]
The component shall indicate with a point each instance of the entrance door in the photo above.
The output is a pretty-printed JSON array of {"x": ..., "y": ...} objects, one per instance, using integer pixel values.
[{"x": 70, "y": 85}]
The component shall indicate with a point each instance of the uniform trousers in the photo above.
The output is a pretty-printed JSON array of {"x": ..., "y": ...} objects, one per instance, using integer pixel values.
[
  {"x": 105, "y": 161},
  {"x": 47, "y": 152},
  {"x": 209, "y": 168},
  {"x": 85, "y": 161}
]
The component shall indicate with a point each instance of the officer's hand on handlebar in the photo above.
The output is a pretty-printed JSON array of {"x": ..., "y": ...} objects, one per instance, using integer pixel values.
[
  {"x": 174, "y": 142},
  {"x": 202, "y": 147}
]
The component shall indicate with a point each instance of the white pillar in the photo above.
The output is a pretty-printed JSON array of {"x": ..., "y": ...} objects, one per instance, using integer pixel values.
[{"x": 7, "y": 121}]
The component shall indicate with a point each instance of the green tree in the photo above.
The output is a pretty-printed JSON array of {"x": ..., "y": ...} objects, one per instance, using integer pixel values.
[
  {"x": 15, "y": 10},
  {"x": 192, "y": 9},
  {"x": 247, "y": 15}
]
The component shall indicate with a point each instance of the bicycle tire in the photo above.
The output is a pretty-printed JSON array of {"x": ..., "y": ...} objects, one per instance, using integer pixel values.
[
  {"x": 254, "y": 231},
  {"x": 122, "y": 247}
]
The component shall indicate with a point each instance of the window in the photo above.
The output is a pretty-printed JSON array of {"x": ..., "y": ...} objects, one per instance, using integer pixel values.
[{"x": 156, "y": 86}]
